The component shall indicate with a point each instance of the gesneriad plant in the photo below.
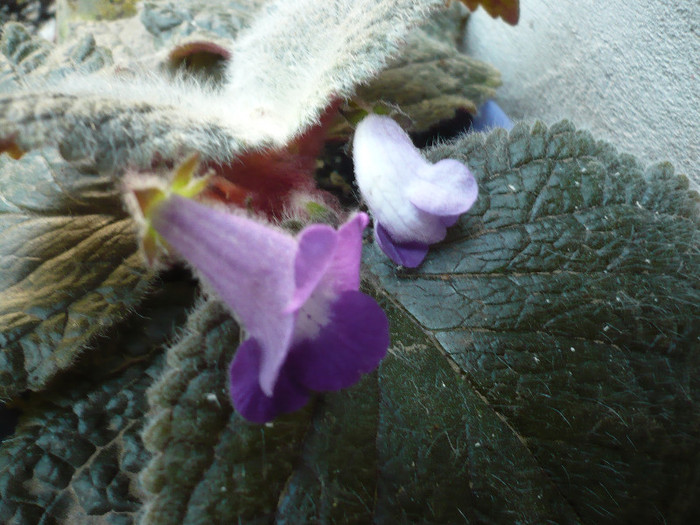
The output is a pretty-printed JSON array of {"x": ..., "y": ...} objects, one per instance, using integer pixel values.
[{"x": 195, "y": 329}]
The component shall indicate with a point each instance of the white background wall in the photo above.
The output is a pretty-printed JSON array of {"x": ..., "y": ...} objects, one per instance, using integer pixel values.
[{"x": 628, "y": 71}]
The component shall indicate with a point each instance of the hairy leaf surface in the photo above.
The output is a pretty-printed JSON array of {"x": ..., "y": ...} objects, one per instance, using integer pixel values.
[
  {"x": 69, "y": 266},
  {"x": 233, "y": 470},
  {"x": 25, "y": 58},
  {"x": 172, "y": 22},
  {"x": 76, "y": 454},
  {"x": 281, "y": 77}
]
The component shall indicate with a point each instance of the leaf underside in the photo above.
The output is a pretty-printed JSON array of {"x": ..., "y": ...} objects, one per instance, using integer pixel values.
[{"x": 543, "y": 367}]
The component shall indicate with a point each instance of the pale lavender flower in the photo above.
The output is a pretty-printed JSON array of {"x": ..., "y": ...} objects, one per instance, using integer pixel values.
[
  {"x": 411, "y": 200},
  {"x": 309, "y": 326}
]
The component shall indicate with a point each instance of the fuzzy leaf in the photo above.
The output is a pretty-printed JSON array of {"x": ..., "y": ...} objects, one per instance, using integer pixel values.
[
  {"x": 448, "y": 25},
  {"x": 297, "y": 56},
  {"x": 233, "y": 469},
  {"x": 76, "y": 454},
  {"x": 69, "y": 266},
  {"x": 568, "y": 297},
  {"x": 508, "y": 10},
  {"x": 281, "y": 77},
  {"x": 143, "y": 41},
  {"x": 431, "y": 80}
]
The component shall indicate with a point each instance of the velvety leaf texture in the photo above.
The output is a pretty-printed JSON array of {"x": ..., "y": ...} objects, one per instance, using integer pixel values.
[
  {"x": 69, "y": 266},
  {"x": 233, "y": 469},
  {"x": 76, "y": 454},
  {"x": 569, "y": 298},
  {"x": 281, "y": 77},
  {"x": 172, "y": 22}
]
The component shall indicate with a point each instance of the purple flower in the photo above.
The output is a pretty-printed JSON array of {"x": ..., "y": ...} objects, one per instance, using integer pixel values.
[
  {"x": 411, "y": 200},
  {"x": 491, "y": 116},
  {"x": 309, "y": 326}
]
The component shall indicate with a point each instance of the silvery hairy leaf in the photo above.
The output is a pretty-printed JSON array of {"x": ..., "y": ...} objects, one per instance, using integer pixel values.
[{"x": 280, "y": 79}]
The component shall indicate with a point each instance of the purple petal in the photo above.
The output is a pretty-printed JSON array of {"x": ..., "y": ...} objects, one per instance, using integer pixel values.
[
  {"x": 409, "y": 254},
  {"x": 345, "y": 269},
  {"x": 250, "y": 266},
  {"x": 444, "y": 188},
  {"x": 380, "y": 143},
  {"x": 353, "y": 343},
  {"x": 491, "y": 116},
  {"x": 249, "y": 399},
  {"x": 317, "y": 244}
]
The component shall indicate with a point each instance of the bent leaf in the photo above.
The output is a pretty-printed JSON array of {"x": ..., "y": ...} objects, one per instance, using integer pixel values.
[
  {"x": 568, "y": 297},
  {"x": 281, "y": 78},
  {"x": 69, "y": 266}
]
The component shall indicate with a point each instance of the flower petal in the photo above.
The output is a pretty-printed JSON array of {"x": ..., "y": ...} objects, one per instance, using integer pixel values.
[
  {"x": 353, "y": 343},
  {"x": 345, "y": 270},
  {"x": 409, "y": 254},
  {"x": 249, "y": 399},
  {"x": 412, "y": 201},
  {"x": 317, "y": 245},
  {"x": 490, "y": 116},
  {"x": 247, "y": 263},
  {"x": 444, "y": 188}
]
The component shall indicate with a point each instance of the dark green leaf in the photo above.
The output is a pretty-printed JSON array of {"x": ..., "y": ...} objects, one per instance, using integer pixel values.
[
  {"x": 76, "y": 453},
  {"x": 569, "y": 297},
  {"x": 413, "y": 443},
  {"x": 69, "y": 266},
  {"x": 210, "y": 465}
]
